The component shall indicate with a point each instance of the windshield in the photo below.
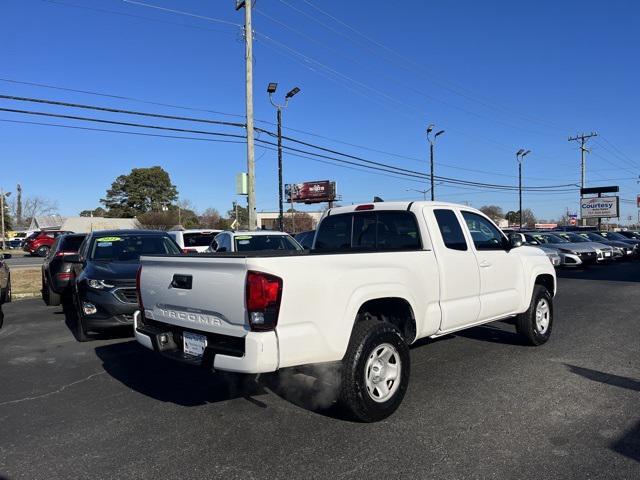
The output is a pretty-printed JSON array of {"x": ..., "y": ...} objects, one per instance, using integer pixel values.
[
  {"x": 614, "y": 236},
  {"x": 126, "y": 248},
  {"x": 198, "y": 239},
  {"x": 249, "y": 243},
  {"x": 548, "y": 238},
  {"x": 592, "y": 236},
  {"x": 572, "y": 237}
]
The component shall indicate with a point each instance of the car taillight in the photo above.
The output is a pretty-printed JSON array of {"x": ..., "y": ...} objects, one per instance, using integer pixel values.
[
  {"x": 62, "y": 254},
  {"x": 65, "y": 275},
  {"x": 367, "y": 206},
  {"x": 138, "y": 275},
  {"x": 263, "y": 294}
]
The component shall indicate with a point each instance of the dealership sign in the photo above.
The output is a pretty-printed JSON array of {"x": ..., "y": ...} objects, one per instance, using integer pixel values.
[
  {"x": 311, "y": 192},
  {"x": 599, "y": 207}
]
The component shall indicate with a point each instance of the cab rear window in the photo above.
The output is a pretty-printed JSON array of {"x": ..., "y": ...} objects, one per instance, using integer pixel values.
[{"x": 377, "y": 231}]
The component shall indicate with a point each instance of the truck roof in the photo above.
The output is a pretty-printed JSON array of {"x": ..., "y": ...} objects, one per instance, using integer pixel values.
[{"x": 394, "y": 206}]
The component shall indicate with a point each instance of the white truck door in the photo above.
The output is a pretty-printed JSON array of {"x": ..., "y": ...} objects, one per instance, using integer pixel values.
[
  {"x": 458, "y": 269},
  {"x": 501, "y": 277}
]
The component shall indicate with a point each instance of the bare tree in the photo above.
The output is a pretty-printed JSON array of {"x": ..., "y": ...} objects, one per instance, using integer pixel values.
[{"x": 37, "y": 206}]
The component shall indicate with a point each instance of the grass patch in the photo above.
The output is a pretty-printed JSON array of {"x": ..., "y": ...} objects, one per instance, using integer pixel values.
[{"x": 26, "y": 280}]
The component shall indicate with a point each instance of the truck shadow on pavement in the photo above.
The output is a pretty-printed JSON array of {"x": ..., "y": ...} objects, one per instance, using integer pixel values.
[
  {"x": 168, "y": 381},
  {"x": 629, "y": 444}
]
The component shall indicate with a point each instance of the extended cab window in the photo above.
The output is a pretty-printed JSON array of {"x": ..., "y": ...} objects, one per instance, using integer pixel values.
[
  {"x": 450, "y": 229},
  {"x": 384, "y": 230},
  {"x": 485, "y": 234}
]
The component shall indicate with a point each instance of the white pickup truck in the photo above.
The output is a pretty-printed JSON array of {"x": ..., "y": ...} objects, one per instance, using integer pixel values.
[{"x": 379, "y": 277}]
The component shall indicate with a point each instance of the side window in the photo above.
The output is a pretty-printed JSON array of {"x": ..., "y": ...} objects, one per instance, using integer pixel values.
[
  {"x": 485, "y": 234},
  {"x": 334, "y": 233},
  {"x": 225, "y": 242},
  {"x": 54, "y": 248},
  {"x": 450, "y": 229}
]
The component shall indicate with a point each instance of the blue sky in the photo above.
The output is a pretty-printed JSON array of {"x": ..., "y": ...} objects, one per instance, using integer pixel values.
[{"x": 496, "y": 75}]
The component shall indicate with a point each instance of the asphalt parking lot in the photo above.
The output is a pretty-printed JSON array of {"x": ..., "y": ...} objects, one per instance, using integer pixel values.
[{"x": 479, "y": 405}]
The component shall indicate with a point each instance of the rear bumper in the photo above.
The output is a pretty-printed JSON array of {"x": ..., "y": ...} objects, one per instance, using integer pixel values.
[{"x": 256, "y": 352}]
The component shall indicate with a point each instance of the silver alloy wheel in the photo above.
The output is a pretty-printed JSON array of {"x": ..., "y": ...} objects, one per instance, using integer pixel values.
[
  {"x": 543, "y": 316},
  {"x": 382, "y": 372}
]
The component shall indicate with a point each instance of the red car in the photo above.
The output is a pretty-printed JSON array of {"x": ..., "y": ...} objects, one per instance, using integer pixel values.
[{"x": 39, "y": 243}]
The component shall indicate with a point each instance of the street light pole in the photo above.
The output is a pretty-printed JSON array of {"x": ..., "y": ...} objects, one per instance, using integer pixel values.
[
  {"x": 520, "y": 154},
  {"x": 432, "y": 142},
  {"x": 271, "y": 89}
]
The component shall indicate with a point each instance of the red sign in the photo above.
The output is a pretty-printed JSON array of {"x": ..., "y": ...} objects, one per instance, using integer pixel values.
[
  {"x": 573, "y": 221},
  {"x": 311, "y": 192}
]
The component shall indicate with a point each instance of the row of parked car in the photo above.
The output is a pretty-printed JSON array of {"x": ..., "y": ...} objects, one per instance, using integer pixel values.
[
  {"x": 95, "y": 274},
  {"x": 582, "y": 247}
]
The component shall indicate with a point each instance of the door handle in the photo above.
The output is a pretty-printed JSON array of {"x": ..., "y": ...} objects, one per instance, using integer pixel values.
[{"x": 485, "y": 264}]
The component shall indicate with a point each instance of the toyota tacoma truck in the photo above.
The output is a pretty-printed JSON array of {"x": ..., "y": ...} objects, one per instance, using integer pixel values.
[{"x": 379, "y": 277}]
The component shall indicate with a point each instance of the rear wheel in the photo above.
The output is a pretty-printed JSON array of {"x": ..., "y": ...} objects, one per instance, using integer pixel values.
[
  {"x": 536, "y": 323},
  {"x": 43, "y": 251},
  {"x": 50, "y": 297},
  {"x": 375, "y": 371},
  {"x": 5, "y": 294}
]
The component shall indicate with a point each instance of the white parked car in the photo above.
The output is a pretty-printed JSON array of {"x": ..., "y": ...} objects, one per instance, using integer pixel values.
[
  {"x": 194, "y": 240},
  {"x": 246, "y": 241},
  {"x": 379, "y": 277}
]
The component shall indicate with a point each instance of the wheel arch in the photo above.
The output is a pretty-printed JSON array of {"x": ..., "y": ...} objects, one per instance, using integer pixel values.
[{"x": 395, "y": 310}]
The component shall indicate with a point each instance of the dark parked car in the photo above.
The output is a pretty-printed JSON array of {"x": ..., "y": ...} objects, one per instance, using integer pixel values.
[
  {"x": 39, "y": 243},
  {"x": 105, "y": 268},
  {"x": 5, "y": 283},
  {"x": 629, "y": 234},
  {"x": 305, "y": 238},
  {"x": 56, "y": 271},
  {"x": 617, "y": 237}
]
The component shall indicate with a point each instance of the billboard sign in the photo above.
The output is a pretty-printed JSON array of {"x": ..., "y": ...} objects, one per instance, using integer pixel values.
[
  {"x": 311, "y": 192},
  {"x": 599, "y": 207}
]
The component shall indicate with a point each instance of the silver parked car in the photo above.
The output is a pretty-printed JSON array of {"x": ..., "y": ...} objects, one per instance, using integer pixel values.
[
  {"x": 567, "y": 249},
  {"x": 606, "y": 253}
]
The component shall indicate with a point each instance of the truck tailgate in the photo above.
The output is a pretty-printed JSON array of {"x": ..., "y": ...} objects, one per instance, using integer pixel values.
[{"x": 200, "y": 293}]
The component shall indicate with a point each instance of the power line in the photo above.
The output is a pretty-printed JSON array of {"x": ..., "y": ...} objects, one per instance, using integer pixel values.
[
  {"x": 114, "y": 122},
  {"x": 170, "y": 10},
  {"x": 117, "y": 110},
  {"x": 75, "y": 127}
]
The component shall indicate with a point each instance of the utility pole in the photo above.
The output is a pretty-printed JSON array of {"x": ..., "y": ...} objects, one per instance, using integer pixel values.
[
  {"x": 583, "y": 150},
  {"x": 432, "y": 141},
  {"x": 520, "y": 154},
  {"x": 271, "y": 89},
  {"x": 251, "y": 164},
  {"x": 2, "y": 200}
]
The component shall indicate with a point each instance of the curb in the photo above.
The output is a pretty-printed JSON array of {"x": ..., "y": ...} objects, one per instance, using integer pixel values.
[{"x": 24, "y": 296}]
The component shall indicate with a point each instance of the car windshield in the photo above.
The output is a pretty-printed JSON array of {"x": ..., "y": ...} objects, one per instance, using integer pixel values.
[
  {"x": 614, "y": 236},
  {"x": 249, "y": 243},
  {"x": 572, "y": 237},
  {"x": 592, "y": 236},
  {"x": 549, "y": 238},
  {"x": 128, "y": 248},
  {"x": 198, "y": 239}
]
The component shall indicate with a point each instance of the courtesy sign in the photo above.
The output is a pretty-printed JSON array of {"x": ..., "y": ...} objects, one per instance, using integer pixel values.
[{"x": 602, "y": 207}]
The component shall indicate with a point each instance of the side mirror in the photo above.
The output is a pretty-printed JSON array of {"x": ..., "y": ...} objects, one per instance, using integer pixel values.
[
  {"x": 6, "y": 256},
  {"x": 73, "y": 258},
  {"x": 515, "y": 240}
]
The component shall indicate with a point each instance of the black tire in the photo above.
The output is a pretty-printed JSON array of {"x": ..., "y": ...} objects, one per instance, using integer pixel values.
[
  {"x": 43, "y": 251},
  {"x": 49, "y": 297},
  {"x": 368, "y": 339},
  {"x": 533, "y": 329},
  {"x": 79, "y": 330},
  {"x": 1, "y": 316}
]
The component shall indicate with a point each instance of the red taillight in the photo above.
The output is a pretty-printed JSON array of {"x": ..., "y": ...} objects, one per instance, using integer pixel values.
[
  {"x": 263, "y": 294},
  {"x": 140, "y": 304},
  {"x": 62, "y": 254},
  {"x": 64, "y": 275},
  {"x": 368, "y": 206}
]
